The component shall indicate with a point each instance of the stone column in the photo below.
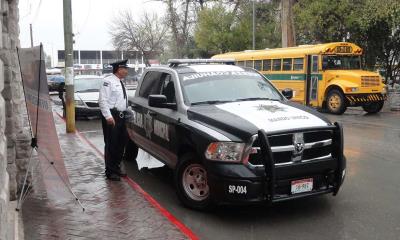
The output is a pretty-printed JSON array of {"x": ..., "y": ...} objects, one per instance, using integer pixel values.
[
  {"x": 17, "y": 131},
  {"x": 14, "y": 135},
  {"x": 4, "y": 178}
]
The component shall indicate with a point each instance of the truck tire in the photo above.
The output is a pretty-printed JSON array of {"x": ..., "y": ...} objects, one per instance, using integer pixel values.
[
  {"x": 335, "y": 102},
  {"x": 191, "y": 183},
  {"x": 373, "y": 107}
]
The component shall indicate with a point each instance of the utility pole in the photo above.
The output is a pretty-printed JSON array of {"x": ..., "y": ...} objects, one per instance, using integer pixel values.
[
  {"x": 288, "y": 36},
  {"x": 30, "y": 28},
  {"x": 69, "y": 70},
  {"x": 254, "y": 26}
]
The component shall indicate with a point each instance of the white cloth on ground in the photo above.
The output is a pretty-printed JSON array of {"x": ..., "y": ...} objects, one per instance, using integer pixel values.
[{"x": 145, "y": 160}]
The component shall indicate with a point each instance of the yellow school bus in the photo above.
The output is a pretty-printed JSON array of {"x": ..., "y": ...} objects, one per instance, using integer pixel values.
[{"x": 325, "y": 76}]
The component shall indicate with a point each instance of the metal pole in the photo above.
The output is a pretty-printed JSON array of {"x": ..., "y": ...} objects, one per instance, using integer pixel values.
[
  {"x": 30, "y": 28},
  {"x": 254, "y": 26},
  {"x": 69, "y": 70}
]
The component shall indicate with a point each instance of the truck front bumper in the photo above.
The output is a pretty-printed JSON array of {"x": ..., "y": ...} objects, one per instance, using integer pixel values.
[{"x": 239, "y": 183}]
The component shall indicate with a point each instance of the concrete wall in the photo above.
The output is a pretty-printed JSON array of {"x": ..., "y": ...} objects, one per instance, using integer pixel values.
[{"x": 14, "y": 130}]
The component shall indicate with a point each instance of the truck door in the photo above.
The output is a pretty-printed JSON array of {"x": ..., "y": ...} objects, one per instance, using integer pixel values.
[{"x": 154, "y": 128}]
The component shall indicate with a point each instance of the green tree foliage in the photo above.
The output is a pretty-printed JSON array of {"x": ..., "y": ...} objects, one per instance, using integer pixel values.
[
  {"x": 222, "y": 29},
  {"x": 372, "y": 24}
]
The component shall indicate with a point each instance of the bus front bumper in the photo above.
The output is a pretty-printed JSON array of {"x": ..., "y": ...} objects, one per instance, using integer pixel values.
[{"x": 360, "y": 99}]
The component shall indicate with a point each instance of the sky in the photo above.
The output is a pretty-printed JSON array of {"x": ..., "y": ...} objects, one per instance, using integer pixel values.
[{"x": 91, "y": 20}]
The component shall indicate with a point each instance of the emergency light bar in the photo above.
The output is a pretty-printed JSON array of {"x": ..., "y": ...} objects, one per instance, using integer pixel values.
[{"x": 177, "y": 62}]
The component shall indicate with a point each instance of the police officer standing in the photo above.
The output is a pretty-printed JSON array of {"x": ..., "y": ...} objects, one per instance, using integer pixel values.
[{"x": 113, "y": 102}]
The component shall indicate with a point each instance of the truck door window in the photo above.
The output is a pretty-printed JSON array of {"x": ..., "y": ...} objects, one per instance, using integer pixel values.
[
  {"x": 168, "y": 88},
  {"x": 151, "y": 84}
]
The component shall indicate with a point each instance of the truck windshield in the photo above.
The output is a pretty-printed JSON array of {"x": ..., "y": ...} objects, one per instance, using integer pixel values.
[
  {"x": 341, "y": 62},
  {"x": 216, "y": 87}
]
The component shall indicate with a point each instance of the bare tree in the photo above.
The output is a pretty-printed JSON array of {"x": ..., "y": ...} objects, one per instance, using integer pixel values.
[{"x": 146, "y": 35}]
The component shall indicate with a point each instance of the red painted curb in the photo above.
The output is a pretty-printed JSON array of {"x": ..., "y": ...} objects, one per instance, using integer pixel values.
[{"x": 185, "y": 230}]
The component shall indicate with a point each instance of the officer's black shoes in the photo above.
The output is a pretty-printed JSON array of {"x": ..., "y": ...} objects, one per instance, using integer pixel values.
[{"x": 113, "y": 177}]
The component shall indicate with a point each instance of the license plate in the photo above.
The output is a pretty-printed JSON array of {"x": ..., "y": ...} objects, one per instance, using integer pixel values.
[{"x": 303, "y": 185}]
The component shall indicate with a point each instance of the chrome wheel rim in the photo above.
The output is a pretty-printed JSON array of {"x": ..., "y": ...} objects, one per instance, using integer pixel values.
[
  {"x": 335, "y": 102},
  {"x": 194, "y": 181}
]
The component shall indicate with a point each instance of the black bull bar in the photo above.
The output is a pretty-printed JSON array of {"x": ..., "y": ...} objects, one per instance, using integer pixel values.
[{"x": 269, "y": 162}]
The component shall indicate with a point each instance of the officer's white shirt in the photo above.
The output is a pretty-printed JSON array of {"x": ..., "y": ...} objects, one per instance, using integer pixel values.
[{"x": 111, "y": 96}]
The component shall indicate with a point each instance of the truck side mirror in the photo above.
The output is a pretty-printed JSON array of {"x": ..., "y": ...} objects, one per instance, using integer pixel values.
[
  {"x": 157, "y": 100},
  {"x": 160, "y": 101},
  {"x": 288, "y": 93}
]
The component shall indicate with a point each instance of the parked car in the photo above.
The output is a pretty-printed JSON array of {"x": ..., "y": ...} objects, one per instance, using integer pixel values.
[
  {"x": 86, "y": 89},
  {"x": 54, "y": 81},
  {"x": 231, "y": 137}
]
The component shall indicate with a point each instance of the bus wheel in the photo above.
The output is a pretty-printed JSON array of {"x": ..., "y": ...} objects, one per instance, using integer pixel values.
[
  {"x": 335, "y": 102},
  {"x": 373, "y": 107}
]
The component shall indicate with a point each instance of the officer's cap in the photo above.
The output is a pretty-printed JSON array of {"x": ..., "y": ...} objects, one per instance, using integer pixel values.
[{"x": 119, "y": 64}]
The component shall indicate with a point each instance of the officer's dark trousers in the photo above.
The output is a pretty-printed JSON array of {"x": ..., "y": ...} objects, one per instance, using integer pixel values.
[{"x": 115, "y": 138}]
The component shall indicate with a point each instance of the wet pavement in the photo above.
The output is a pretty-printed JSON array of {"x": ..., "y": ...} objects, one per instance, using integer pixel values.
[
  {"x": 113, "y": 210},
  {"x": 367, "y": 207}
]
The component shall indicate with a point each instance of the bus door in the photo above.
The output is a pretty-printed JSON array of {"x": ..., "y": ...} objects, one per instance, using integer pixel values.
[{"x": 311, "y": 84}]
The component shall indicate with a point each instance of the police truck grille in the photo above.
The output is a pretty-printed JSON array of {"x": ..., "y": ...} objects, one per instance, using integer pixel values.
[
  {"x": 296, "y": 147},
  {"x": 369, "y": 81}
]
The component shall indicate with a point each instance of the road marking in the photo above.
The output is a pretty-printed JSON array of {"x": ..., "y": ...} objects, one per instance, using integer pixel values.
[{"x": 170, "y": 217}]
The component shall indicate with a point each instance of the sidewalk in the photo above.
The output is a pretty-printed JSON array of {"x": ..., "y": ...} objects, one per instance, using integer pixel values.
[{"x": 113, "y": 210}]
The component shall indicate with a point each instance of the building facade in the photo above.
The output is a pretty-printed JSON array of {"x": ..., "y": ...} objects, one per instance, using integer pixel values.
[{"x": 96, "y": 62}]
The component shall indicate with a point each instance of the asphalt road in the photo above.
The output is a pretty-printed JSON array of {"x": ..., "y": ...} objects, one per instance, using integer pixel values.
[{"x": 367, "y": 207}]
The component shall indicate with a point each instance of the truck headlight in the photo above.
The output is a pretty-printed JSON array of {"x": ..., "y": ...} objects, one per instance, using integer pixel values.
[
  {"x": 79, "y": 103},
  {"x": 225, "y": 151}
]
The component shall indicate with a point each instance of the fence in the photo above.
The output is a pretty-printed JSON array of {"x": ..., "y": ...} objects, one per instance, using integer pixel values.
[{"x": 394, "y": 98}]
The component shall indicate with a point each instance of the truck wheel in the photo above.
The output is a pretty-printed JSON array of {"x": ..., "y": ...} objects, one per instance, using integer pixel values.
[
  {"x": 191, "y": 183},
  {"x": 373, "y": 107},
  {"x": 335, "y": 102}
]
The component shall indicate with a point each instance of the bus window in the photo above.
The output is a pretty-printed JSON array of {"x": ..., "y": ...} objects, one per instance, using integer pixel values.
[
  {"x": 276, "y": 64},
  {"x": 314, "y": 64},
  {"x": 341, "y": 62},
  {"x": 257, "y": 65},
  {"x": 287, "y": 64},
  {"x": 298, "y": 64},
  {"x": 240, "y": 63},
  {"x": 249, "y": 64},
  {"x": 267, "y": 65}
]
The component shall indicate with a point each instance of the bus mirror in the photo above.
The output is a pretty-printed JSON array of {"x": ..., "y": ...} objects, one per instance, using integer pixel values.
[{"x": 288, "y": 93}]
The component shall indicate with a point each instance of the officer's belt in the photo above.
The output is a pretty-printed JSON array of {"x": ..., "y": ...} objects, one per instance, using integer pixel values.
[{"x": 117, "y": 113}]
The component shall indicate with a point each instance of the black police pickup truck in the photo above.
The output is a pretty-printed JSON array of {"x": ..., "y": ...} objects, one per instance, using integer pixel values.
[{"x": 231, "y": 137}]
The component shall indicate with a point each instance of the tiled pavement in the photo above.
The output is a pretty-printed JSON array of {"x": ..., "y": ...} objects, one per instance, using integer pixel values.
[{"x": 113, "y": 210}]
